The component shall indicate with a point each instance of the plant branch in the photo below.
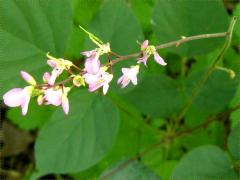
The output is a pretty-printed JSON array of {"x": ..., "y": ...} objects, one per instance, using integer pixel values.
[
  {"x": 173, "y": 43},
  {"x": 204, "y": 78}
]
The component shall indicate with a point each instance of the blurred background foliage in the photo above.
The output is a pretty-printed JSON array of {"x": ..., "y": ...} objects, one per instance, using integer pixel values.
[{"x": 131, "y": 133}]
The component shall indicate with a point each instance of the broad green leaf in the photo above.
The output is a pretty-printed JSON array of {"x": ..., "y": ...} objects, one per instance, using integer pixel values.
[
  {"x": 30, "y": 29},
  {"x": 75, "y": 142},
  {"x": 205, "y": 162},
  {"x": 157, "y": 96},
  {"x": 234, "y": 142},
  {"x": 156, "y": 159},
  {"x": 133, "y": 170},
  {"x": 121, "y": 30},
  {"x": 173, "y": 19},
  {"x": 35, "y": 118},
  {"x": 216, "y": 93},
  {"x": 133, "y": 136}
]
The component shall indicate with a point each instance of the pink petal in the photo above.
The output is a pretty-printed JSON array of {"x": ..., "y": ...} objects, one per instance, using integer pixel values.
[
  {"x": 89, "y": 53},
  {"x": 125, "y": 82},
  {"x": 52, "y": 63},
  {"x": 65, "y": 104},
  {"x": 25, "y": 103},
  {"x": 53, "y": 77},
  {"x": 46, "y": 77},
  {"x": 144, "y": 45},
  {"x": 120, "y": 79},
  {"x": 53, "y": 97},
  {"x": 125, "y": 71},
  {"x": 95, "y": 86},
  {"x": 159, "y": 60},
  {"x": 143, "y": 59},
  {"x": 28, "y": 78},
  {"x": 14, "y": 97},
  {"x": 90, "y": 78},
  {"x": 92, "y": 66}
]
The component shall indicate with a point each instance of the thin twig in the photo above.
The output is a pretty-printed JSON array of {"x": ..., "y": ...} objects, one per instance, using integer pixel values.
[{"x": 174, "y": 43}]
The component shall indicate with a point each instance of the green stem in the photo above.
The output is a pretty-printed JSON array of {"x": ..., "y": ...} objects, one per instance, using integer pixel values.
[{"x": 204, "y": 78}]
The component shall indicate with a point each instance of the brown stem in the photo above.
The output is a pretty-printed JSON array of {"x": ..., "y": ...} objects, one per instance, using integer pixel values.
[
  {"x": 173, "y": 43},
  {"x": 56, "y": 84}
]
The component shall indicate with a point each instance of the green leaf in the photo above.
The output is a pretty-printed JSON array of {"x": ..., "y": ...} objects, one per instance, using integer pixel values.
[
  {"x": 75, "y": 142},
  {"x": 121, "y": 30},
  {"x": 133, "y": 171},
  {"x": 205, "y": 162},
  {"x": 236, "y": 32},
  {"x": 83, "y": 12},
  {"x": 133, "y": 136},
  {"x": 156, "y": 95},
  {"x": 173, "y": 19},
  {"x": 216, "y": 93},
  {"x": 234, "y": 142},
  {"x": 30, "y": 29},
  {"x": 143, "y": 11},
  {"x": 35, "y": 118}
]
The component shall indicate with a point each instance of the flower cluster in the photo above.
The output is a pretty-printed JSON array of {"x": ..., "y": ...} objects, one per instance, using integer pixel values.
[{"x": 94, "y": 74}]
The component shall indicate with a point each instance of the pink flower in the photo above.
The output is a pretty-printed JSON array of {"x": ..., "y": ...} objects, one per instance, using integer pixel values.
[
  {"x": 92, "y": 63},
  {"x": 101, "y": 79},
  {"x": 148, "y": 50},
  {"x": 57, "y": 97},
  {"x": 18, "y": 97},
  {"x": 28, "y": 78},
  {"x": 58, "y": 66},
  {"x": 46, "y": 77},
  {"x": 129, "y": 74}
]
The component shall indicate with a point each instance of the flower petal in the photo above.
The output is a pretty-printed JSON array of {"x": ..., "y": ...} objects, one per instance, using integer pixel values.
[
  {"x": 105, "y": 88},
  {"x": 92, "y": 66},
  {"x": 28, "y": 78},
  {"x": 65, "y": 104},
  {"x": 52, "y": 63},
  {"x": 53, "y": 97},
  {"x": 14, "y": 97},
  {"x": 46, "y": 77},
  {"x": 89, "y": 53},
  {"x": 134, "y": 80},
  {"x": 120, "y": 79},
  {"x": 159, "y": 60},
  {"x": 25, "y": 103},
  {"x": 144, "y": 45}
]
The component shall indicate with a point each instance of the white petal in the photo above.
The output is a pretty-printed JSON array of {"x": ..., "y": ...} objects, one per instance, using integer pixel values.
[
  {"x": 105, "y": 88},
  {"x": 159, "y": 60},
  {"x": 25, "y": 104},
  {"x": 134, "y": 80},
  {"x": 14, "y": 97},
  {"x": 65, "y": 104}
]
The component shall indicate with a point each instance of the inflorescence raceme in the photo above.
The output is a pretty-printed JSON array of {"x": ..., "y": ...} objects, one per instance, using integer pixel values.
[{"x": 94, "y": 75}]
